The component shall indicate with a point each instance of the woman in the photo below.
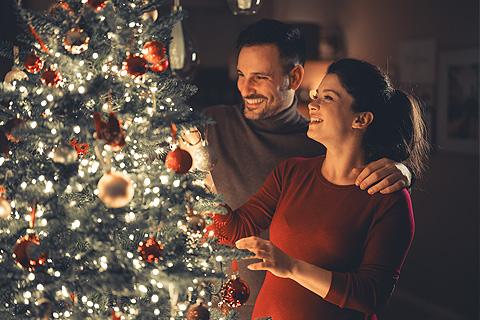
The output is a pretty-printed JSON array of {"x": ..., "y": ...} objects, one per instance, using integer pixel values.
[{"x": 335, "y": 252}]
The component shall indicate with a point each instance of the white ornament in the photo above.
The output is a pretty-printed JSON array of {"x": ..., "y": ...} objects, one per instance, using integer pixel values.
[{"x": 115, "y": 189}]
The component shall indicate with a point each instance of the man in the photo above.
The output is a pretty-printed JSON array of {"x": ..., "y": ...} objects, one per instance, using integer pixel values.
[{"x": 248, "y": 141}]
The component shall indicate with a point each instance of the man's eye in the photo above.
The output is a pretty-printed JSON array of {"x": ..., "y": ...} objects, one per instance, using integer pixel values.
[
  {"x": 327, "y": 98},
  {"x": 239, "y": 75},
  {"x": 261, "y": 77}
]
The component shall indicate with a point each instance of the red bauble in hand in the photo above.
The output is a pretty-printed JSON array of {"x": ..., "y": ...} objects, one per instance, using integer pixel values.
[
  {"x": 235, "y": 292},
  {"x": 198, "y": 312},
  {"x": 151, "y": 250},
  {"x": 26, "y": 254},
  {"x": 154, "y": 52},
  {"x": 111, "y": 130},
  {"x": 179, "y": 160},
  {"x": 135, "y": 65},
  {"x": 33, "y": 63},
  {"x": 51, "y": 77},
  {"x": 97, "y": 5}
]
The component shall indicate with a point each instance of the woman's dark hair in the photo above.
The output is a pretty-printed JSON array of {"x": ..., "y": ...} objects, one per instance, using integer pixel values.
[
  {"x": 398, "y": 131},
  {"x": 287, "y": 38}
]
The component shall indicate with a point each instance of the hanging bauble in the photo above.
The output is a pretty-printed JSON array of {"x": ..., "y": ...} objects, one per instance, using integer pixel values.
[
  {"x": 198, "y": 312},
  {"x": 115, "y": 189},
  {"x": 51, "y": 77},
  {"x": 27, "y": 253},
  {"x": 150, "y": 15},
  {"x": 181, "y": 52},
  {"x": 179, "y": 160},
  {"x": 154, "y": 52},
  {"x": 235, "y": 292},
  {"x": 110, "y": 131},
  {"x": 64, "y": 154},
  {"x": 115, "y": 316},
  {"x": 76, "y": 41},
  {"x": 5, "y": 208},
  {"x": 97, "y": 5},
  {"x": 244, "y": 7},
  {"x": 135, "y": 65},
  {"x": 151, "y": 250},
  {"x": 33, "y": 63},
  {"x": 12, "y": 76},
  {"x": 161, "y": 67}
]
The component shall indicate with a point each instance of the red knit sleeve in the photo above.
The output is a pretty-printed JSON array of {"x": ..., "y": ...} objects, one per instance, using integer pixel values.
[
  {"x": 255, "y": 215},
  {"x": 389, "y": 237}
]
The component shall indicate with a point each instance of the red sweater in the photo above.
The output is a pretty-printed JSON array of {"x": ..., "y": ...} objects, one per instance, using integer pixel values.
[{"x": 362, "y": 239}]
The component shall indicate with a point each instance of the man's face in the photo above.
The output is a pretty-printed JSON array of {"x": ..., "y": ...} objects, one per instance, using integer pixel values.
[{"x": 262, "y": 82}]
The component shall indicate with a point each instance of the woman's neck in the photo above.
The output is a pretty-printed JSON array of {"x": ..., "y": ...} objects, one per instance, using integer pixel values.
[{"x": 339, "y": 163}]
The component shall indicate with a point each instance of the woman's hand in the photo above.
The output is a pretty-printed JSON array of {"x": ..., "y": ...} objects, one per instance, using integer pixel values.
[{"x": 274, "y": 260}]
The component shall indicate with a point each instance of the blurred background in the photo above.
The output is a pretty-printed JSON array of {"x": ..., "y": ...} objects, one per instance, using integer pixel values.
[{"x": 429, "y": 47}]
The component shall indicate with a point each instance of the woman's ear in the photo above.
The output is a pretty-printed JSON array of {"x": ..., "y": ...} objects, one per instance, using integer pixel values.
[
  {"x": 295, "y": 76},
  {"x": 362, "y": 120}
]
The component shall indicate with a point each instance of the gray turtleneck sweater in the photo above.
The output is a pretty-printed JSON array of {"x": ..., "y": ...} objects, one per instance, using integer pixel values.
[{"x": 246, "y": 151}]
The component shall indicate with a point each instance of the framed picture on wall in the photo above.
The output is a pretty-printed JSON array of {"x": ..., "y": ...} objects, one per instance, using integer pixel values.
[{"x": 457, "y": 101}]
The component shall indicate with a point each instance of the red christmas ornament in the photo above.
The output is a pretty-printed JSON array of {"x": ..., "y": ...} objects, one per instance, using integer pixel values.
[
  {"x": 97, "y": 5},
  {"x": 81, "y": 148},
  {"x": 115, "y": 317},
  {"x": 33, "y": 63},
  {"x": 150, "y": 250},
  {"x": 179, "y": 160},
  {"x": 135, "y": 65},
  {"x": 25, "y": 252},
  {"x": 235, "y": 292},
  {"x": 111, "y": 130},
  {"x": 198, "y": 312},
  {"x": 51, "y": 77},
  {"x": 154, "y": 52},
  {"x": 161, "y": 67}
]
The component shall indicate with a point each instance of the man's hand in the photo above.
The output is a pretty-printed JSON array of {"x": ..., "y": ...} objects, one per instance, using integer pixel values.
[
  {"x": 383, "y": 175},
  {"x": 274, "y": 260}
]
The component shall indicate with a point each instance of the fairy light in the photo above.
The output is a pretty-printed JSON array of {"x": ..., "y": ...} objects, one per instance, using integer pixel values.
[
  {"x": 71, "y": 87},
  {"x": 50, "y": 98},
  {"x": 142, "y": 288},
  {"x": 76, "y": 129},
  {"x": 43, "y": 103},
  {"x": 81, "y": 89},
  {"x": 95, "y": 55},
  {"x": 155, "y": 298},
  {"x": 75, "y": 224},
  {"x": 33, "y": 124}
]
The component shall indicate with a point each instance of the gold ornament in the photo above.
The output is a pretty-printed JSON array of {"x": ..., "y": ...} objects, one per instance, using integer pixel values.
[
  {"x": 115, "y": 189},
  {"x": 76, "y": 41},
  {"x": 13, "y": 75}
]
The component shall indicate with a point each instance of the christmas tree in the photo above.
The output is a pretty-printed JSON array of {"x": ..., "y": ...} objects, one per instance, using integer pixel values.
[{"x": 100, "y": 210}]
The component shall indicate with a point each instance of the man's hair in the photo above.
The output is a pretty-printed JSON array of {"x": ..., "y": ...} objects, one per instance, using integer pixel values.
[{"x": 287, "y": 38}]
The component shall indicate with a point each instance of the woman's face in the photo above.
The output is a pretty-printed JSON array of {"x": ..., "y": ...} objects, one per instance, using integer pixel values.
[{"x": 331, "y": 114}]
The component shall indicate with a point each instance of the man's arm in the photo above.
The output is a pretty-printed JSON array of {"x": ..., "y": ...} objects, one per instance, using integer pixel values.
[{"x": 384, "y": 176}]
